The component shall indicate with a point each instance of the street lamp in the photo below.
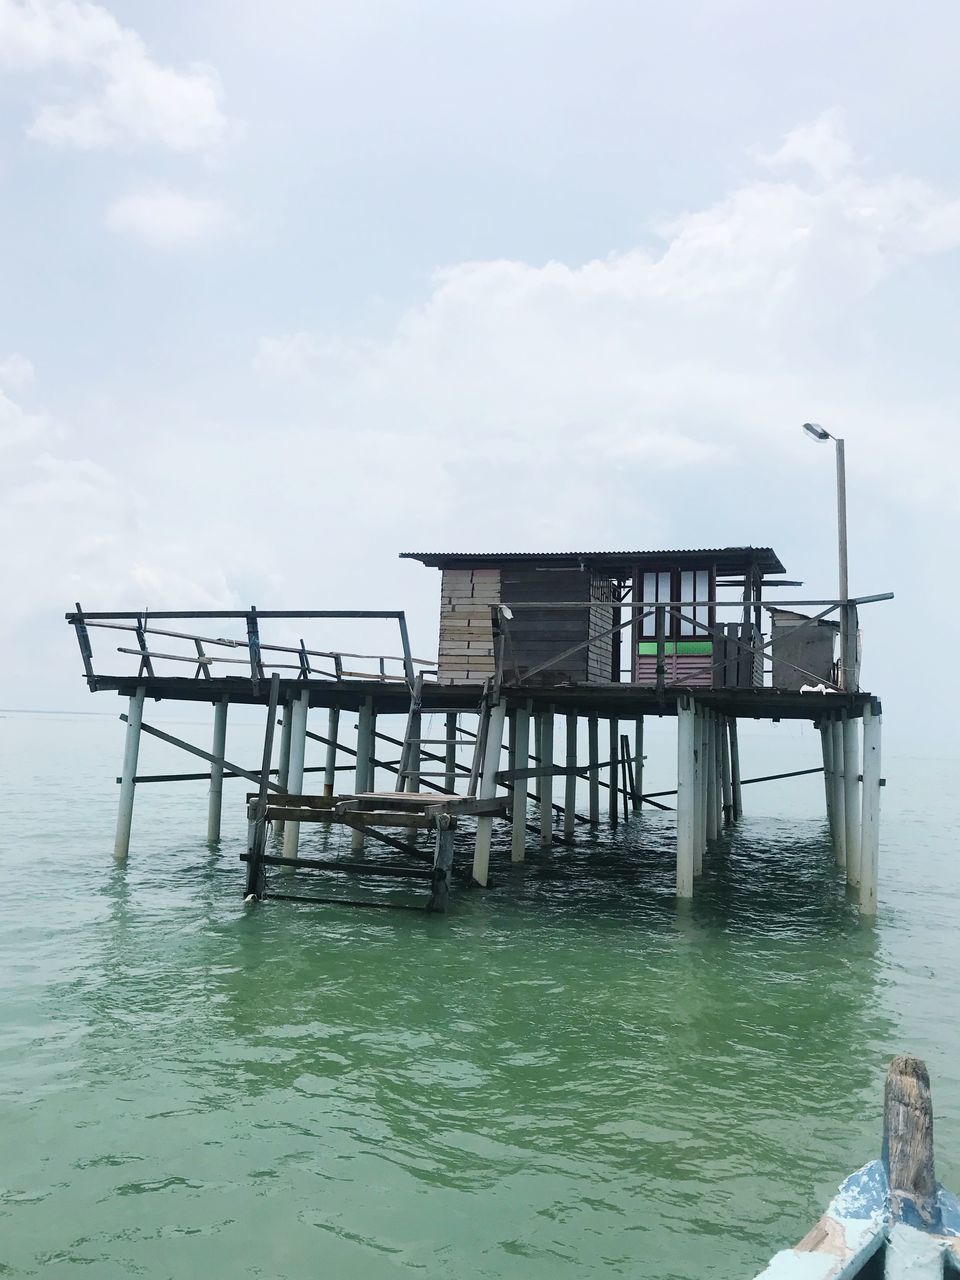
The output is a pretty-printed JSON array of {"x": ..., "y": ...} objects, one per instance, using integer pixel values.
[{"x": 818, "y": 433}]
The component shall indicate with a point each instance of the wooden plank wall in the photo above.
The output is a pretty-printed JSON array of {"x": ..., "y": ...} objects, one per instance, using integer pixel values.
[
  {"x": 538, "y": 636},
  {"x": 688, "y": 669},
  {"x": 600, "y": 651},
  {"x": 466, "y": 626}
]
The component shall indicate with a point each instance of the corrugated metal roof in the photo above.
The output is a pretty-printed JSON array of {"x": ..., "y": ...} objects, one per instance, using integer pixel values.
[{"x": 726, "y": 559}]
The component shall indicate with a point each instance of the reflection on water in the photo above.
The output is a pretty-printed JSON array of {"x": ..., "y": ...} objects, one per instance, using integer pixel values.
[{"x": 567, "y": 1075}]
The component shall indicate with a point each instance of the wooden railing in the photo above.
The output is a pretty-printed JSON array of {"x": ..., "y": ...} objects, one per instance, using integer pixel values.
[{"x": 259, "y": 658}]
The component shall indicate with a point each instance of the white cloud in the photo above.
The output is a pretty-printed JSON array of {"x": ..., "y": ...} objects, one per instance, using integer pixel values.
[
  {"x": 16, "y": 372},
  {"x": 125, "y": 97},
  {"x": 165, "y": 218},
  {"x": 648, "y": 358}
]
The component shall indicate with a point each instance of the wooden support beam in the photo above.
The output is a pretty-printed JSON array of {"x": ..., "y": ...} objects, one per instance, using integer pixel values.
[
  {"x": 488, "y": 789},
  {"x": 870, "y": 826},
  {"x": 330, "y": 761},
  {"x": 851, "y": 797},
  {"x": 735, "y": 783},
  {"x": 593, "y": 764},
  {"x": 826, "y": 751},
  {"x": 131, "y": 753},
  {"x": 545, "y": 786},
  {"x": 726, "y": 782},
  {"x": 295, "y": 763},
  {"x": 283, "y": 771},
  {"x": 364, "y": 744},
  {"x": 442, "y": 866},
  {"x": 215, "y": 803},
  {"x": 450, "y": 753},
  {"x": 638, "y": 764},
  {"x": 613, "y": 784},
  {"x": 686, "y": 795},
  {"x": 839, "y": 794},
  {"x": 230, "y": 770},
  {"x": 518, "y": 834},
  {"x": 570, "y": 785},
  {"x": 353, "y": 868}
]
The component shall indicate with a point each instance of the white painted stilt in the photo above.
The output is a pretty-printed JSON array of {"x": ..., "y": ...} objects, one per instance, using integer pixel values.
[
  {"x": 839, "y": 824},
  {"x": 870, "y": 829},
  {"x": 593, "y": 753},
  {"x": 726, "y": 783},
  {"x": 362, "y": 776},
  {"x": 851, "y": 797},
  {"x": 488, "y": 789},
  {"x": 546, "y": 782},
  {"x": 131, "y": 753},
  {"x": 219, "y": 748},
  {"x": 283, "y": 770},
  {"x": 414, "y": 758},
  {"x": 518, "y": 835},
  {"x": 372, "y": 756},
  {"x": 735, "y": 769},
  {"x": 298, "y": 749},
  {"x": 570, "y": 782},
  {"x": 687, "y": 791},
  {"x": 330, "y": 760}
]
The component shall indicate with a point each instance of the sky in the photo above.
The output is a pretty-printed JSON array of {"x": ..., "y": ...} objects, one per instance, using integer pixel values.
[{"x": 289, "y": 288}]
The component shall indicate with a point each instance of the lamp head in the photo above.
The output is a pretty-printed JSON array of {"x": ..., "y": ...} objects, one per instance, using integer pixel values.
[{"x": 815, "y": 431}]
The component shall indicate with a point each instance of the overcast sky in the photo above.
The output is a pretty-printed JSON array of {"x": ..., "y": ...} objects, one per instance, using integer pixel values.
[{"x": 288, "y": 288}]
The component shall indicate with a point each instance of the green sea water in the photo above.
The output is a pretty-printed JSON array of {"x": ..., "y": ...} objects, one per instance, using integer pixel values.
[{"x": 565, "y": 1076}]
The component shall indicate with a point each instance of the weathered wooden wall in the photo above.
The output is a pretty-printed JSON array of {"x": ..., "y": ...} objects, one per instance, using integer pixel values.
[
  {"x": 600, "y": 652},
  {"x": 466, "y": 624},
  {"x": 536, "y": 637}
]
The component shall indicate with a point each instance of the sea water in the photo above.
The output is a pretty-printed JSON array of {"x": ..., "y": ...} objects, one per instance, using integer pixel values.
[{"x": 567, "y": 1075}]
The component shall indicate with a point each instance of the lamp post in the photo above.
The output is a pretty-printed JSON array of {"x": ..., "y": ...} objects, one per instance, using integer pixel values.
[{"x": 818, "y": 433}]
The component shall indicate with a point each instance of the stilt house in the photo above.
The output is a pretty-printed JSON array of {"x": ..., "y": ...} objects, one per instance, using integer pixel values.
[{"x": 576, "y": 636}]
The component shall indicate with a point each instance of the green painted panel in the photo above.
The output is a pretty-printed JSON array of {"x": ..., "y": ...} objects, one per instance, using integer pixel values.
[{"x": 649, "y": 647}]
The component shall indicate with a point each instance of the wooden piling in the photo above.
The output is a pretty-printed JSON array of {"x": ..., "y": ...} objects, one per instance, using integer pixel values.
[
  {"x": 851, "y": 797},
  {"x": 298, "y": 748},
  {"x": 726, "y": 783},
  {"x": 330, "y": 760},
  {"x": 518, "y": 835},
  {"x": 362, "y": 775},
  {"x": 908, "y": 1145},
  {"x": 613, "y": 794},
  {"x": 128, "y": 773},
  {"x": 546, "y": 781},
  {"x": 686, "y": 795},
  {"x": 442, "y": 864},
  {"x": 735, "y": 769},
  {"x": 570, "y": 782},
  {"x": 839, "y": 823},
  {"x": 826, "y": 752},
  {"x": 488, "y": 789},
  {"x": 283, "y": 768},
  {"x": 257, "y": 828},
  {"x": 450, "y": 753},
  {"x": 593, "y": 753},
  {"x": 870, "y": 824},
  {"x": 215, "y": 802},
  {"x": 637, "y": 764},
  {"x": 712, "y": 832}
]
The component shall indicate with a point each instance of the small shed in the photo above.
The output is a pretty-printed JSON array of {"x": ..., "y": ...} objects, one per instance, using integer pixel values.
[
  {"x": 803, "y": 650},
  {"x": 586, "y": 645}
]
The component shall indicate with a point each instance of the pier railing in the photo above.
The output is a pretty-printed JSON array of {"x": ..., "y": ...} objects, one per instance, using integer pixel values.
[
  {"x": 159, "y": 648},
  {"x": 739, "y": 656}
]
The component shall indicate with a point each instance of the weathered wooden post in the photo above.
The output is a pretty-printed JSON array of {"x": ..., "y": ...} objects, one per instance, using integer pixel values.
[
  {"x": 735, "y": 770},
  {"x": 593, "y": 753},
  {"x": 283, "y": 767},
  {"x": 839, "y": 823},
  {"x": 546, "y": 780},
  {"x": 362, "y": 775},
  {"x": 488, "y": 789},
  {"x": 851, "y": 797},
  {"x": 442, "y": 864},
  {"x": 518, "y": 834},
  {"x": 712, "y": 832},
  {"x": 128, "y": 774},
  {"x": 908, "y": 1145},
  {"x": 725, "y": 776},
  {"x": 450, "y": 753},
  {"x": 687, "y": 791},
  {"x": 298, "y": 750},
  {"x": 613, "y": 779},
  {"x": 215, "y": 803},
  {"x": 570, "y": 781},
  {"x": 826, "y": 751},
  {"x": 257, "y": 810},
  {"x": 414, "y": 758},
  {"x": 330, "y": 760},
  {"x": 870, "y": 826},
  {"x": 638, "y": 764}
]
